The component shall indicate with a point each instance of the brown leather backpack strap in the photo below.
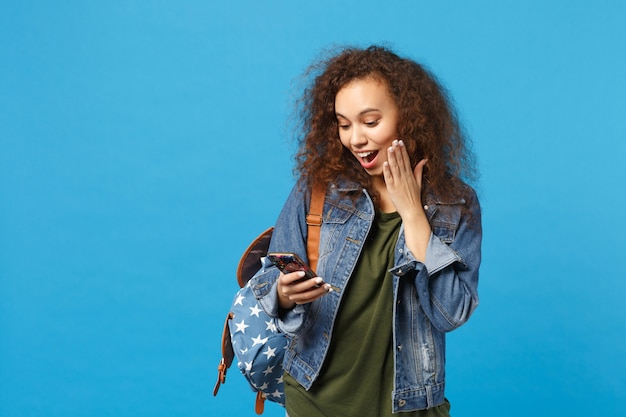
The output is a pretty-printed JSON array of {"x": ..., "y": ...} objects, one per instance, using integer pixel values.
[
  {"x": 227, "y": 356},
  {"x": 314, "y": 222},
  {"x": 259, "y": 403}
]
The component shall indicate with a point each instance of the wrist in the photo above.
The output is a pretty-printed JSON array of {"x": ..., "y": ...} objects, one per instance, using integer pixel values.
[{"x": 417, "y": 233}]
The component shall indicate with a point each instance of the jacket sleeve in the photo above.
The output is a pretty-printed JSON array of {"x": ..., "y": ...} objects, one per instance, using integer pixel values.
[
  {"x": 290, "y": 235},
  {"x": 447, "y": 282}
]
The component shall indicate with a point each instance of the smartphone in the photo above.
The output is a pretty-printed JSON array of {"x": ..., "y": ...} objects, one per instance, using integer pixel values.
[{"x": 290, "y": 262}]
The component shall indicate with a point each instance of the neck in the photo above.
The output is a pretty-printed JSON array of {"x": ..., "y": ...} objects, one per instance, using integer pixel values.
[{"x": 384, "y": 201}]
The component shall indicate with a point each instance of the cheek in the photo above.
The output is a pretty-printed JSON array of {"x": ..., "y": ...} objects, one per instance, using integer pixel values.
[
  {"x": 384, "y": 139},
  {"x": 389, "y": 136}
]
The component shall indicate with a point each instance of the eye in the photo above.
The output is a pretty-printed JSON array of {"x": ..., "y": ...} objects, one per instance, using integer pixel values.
[
  {"x": 372, "y": 123},
  {"x": 343, "y": 125}
]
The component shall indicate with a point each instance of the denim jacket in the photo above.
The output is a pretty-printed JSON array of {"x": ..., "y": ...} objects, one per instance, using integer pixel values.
[{"x": 430, "y": 298}]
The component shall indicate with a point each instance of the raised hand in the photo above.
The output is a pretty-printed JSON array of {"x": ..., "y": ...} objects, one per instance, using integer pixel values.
[{"x": 404, "y": 186}]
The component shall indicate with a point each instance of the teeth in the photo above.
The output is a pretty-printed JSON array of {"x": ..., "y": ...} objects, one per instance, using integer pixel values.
[{"x": 364, "y": 154}]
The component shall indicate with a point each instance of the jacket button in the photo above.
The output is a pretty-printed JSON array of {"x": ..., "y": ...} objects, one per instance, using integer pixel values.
[{"x": 402, "y": 403}]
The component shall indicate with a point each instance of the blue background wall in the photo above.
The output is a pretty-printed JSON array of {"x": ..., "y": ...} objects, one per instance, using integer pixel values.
[{"x": 143, "y": 144}]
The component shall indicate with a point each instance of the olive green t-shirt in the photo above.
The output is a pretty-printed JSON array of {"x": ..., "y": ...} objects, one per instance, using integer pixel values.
[{"x": 357, "y": 376}]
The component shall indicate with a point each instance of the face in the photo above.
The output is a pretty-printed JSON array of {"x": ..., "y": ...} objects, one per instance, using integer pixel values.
[{"x": 368, "y": 118}]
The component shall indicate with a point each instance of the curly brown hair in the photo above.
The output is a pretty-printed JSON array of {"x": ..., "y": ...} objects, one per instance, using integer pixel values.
[{"x": 427, "y": 124}]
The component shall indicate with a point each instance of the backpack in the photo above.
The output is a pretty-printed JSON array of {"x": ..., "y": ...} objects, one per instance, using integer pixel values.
[{"x": 249, "y": 333}]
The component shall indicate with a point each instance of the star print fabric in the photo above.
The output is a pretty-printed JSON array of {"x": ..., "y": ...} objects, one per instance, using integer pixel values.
[{"x": 258, "y": 345}]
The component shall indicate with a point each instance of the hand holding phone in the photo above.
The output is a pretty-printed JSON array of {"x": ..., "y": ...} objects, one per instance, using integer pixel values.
[{"x": 288, "y": 263}]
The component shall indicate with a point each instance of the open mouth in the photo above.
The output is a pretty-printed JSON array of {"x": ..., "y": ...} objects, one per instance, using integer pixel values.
[{"x": 367, "y": 157}]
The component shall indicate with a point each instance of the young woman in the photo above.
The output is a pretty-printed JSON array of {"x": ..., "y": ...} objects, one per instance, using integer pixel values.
[{"x": 400, "y": 242}]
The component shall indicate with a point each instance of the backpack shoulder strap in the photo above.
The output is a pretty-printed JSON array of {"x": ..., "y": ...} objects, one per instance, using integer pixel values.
[{"x": 314, "y": 223}]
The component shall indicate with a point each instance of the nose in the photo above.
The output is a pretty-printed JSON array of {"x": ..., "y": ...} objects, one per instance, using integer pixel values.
[{"x": 358, "y": 137}]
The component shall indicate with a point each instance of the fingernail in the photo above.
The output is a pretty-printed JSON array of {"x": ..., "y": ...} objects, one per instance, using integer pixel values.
[
  {"x": 319, "y": 280},
  {"x": 328, "y": 288},
  {"x": 301, "y": 274}
]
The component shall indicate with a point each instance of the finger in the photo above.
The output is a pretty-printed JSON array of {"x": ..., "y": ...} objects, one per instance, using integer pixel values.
[
  {"x": 387, "y": 172},
  {"x": 402, "y": 156},
  {"x": 418, "y": 172},
  {"x": 290, "y": 278},
  {"x": 306, "y": 285},
  {"x": 287, "y": 282},
  {"x": 311, "y": 295},
  {"x": 393, "y": 162}
]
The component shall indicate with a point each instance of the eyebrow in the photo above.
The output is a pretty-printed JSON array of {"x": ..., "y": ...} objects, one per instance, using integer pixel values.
[{"x": 364, "y": 111}]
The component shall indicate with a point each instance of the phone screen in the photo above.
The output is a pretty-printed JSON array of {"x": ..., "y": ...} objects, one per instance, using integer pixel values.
[{"x": 290, "y": 262}]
